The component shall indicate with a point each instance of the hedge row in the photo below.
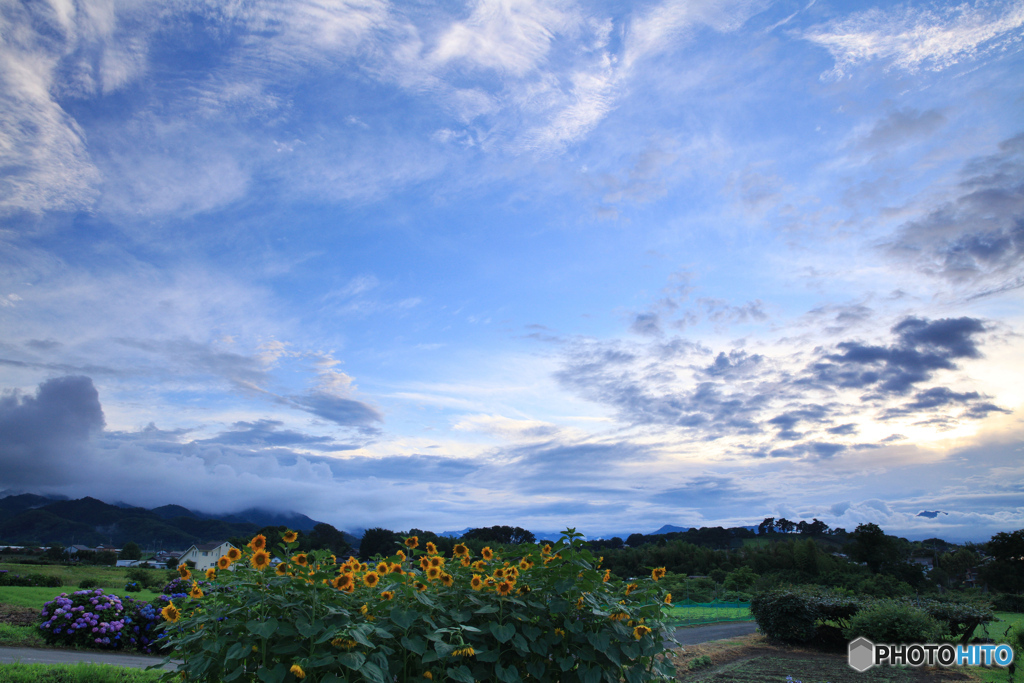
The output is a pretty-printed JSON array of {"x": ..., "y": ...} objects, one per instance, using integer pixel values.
[
  {"x": 9, "y": 579},
  {"x": 805, "y": 615}
]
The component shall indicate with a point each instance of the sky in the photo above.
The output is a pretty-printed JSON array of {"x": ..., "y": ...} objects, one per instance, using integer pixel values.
[{"x": 603, "y": 265}]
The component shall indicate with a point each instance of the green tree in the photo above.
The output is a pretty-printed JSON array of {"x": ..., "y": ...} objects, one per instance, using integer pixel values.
[
  {"x": 500, "y": 534},
  {"x": 871, "y": 545},
  {"x": 378, "y": 541},
  {"x": 326, "y": 536},
  {"x": 131, "y": 551},
  {"x": 1006, "y": 570}
]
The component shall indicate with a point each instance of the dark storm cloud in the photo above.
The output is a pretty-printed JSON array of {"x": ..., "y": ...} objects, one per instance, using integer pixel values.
[
  {"x": 43, "y": 344},
  {"x": 341, "y": 411},
  {"x": 979, "y": 233},
  {"x": 736, "y": 363},
  {"x": 42, "y": 436},
  {"x": 922, "y": 347}
]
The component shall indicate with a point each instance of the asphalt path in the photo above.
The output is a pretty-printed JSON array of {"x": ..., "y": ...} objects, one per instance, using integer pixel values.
[
  {"x": 696, "y": 635},
  {"x": 39, "y": 655},
  {"x": 33, "y": 655}
]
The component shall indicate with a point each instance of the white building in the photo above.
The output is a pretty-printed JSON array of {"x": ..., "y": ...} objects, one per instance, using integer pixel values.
[{"x": 205, "y": 555}]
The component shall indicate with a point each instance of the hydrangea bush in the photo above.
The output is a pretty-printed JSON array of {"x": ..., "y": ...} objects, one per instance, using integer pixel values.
[
  {"x": 545, "y": 613},
  {"x": 85, "y": 619}
]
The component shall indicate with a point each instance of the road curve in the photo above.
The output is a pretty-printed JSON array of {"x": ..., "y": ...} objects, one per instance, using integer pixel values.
[{"x": 703, "y": 634}]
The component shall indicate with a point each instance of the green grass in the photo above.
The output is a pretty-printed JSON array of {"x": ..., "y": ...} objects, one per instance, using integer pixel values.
[
  {"x": 996, "y": 629},
  {"x": 72, "y": 575},
  {"x": 36, "y": 597},
  {"x": 74, "y": 673},
  {"x": 704, "y": 614},
  {"x": 20, "y": 636}
]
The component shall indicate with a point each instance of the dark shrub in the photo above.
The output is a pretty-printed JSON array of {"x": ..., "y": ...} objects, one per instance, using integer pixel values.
[
  {"x": 890, "y": 621},
  {"x": 88, "y": 583},
  {"x": 1007, "y": 602},
  {"x": 959, "y": 617},
  {"x": 793, "y": 615},
  {"x": 132, "y": 587},
  {"x": 38, "y": 580}
]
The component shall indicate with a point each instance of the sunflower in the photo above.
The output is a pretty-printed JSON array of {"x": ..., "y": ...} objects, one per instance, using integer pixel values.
[
  {"x": 436, "y": 561},
  {"x": 465, "y": 651},
  {"x": 607, "y": 575},
  {"x": 461, "y": 550},
  {"x": 658, "y": 573},
  {"x": 512, "y": 573},
  {"x": 412, "y": 542},
  {"x": 371, "y": 579},
  {"x": 383, "y": 568},
  {"x": 196, "y": 591},
  {"x": 420, "y": 586},
  {"x": 258, "y": 542},
  {"x": 290, "y": 536},
  {"x": 344, "y": 643},
  {"x": 618, "y": 616},
  {"x": 431, "y": 548},
  {"x": 395, "y": 568},
  {"x": 400, "y": 555},
  {"x": 282, "y": 568},
  {"x": 465, "y": 561},
  {"x": 525, "y": 564},
  {"x": 301, "y": 559},
  {"x": 183, "y": 572},
  {"x": 297, "y": 670},
  {"x": 234, "y": 554},
  {"x": 668, "y": 598},
  {"x": 631, "y": 587},
  {"x": 560, "y": 632},
  {"x": 504, "y": 588},
  {"x": 487, "y": 553},
  {"x": 479, "y": 566},
  {"x": 477, "y": 582},
  {"x": 223, "y": 562},
  {"x": 427, "y": 675},
  {"x": 387, "y": 595},
  {"x": 641, "y": 631},
  {"x": 499, "y": 573},
  {"x": 364, "y": 609},
  {"x": 362, "y": 567},
  {"x": 344, "y": 582},
  {"x": 579, "y": 602},
  {"x": 433, "y": 573},
  {"x": 211, "y": 574},
  {"x": 260, "y": 559},
  {"x": 447, "y": 579},
  {"x": 524, "y": 590},
  {"x": 546, "y": 550},
  {"x": 171, "y": 613}
]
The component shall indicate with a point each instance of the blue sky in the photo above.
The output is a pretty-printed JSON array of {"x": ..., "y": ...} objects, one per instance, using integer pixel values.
[{"x": 603, "y": 265}]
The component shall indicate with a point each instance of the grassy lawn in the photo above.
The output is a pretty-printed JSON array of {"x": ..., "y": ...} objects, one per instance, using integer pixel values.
[
  {"x": 20, "y": 636},
  {"x": 36, "y": 597},
  {"x": 701, "y": 614},
  {"x": 72, "y": 575},
  {"x": 74, "y": 673},
  {"x": 997, "y": 628}
]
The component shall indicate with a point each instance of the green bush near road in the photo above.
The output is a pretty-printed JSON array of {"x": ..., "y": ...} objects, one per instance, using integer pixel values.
[
  {"x": 74, "y": 673},
  {"x": 889, "y": 621}
]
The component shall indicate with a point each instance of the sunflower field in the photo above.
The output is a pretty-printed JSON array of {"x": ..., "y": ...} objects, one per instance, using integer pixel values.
[{"x": 548, "y": 613}]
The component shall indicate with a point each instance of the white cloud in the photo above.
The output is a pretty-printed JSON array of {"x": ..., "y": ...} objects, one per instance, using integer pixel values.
[
  {"x": 912, "y": 38},
  {"x": 506, "y": 427}
]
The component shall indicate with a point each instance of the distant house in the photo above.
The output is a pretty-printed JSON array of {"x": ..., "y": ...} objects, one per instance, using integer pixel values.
[
  {"x": 74, "y": 549},
  {"x": 205, "y": 555}
]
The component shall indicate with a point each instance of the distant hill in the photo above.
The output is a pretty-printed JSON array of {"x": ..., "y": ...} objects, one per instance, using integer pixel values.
[
  {"x": 28, "y": 519},
  {"x": 668, "y": 529}
]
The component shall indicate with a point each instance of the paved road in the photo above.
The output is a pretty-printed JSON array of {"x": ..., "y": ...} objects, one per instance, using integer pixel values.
[
  {"x": 38, "y": 655},
  {"x": 703, "y": 634}
]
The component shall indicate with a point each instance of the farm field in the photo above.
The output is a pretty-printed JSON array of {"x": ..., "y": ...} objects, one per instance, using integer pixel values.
[
  {"x": 73, "y": 575},
  {"x": 36, "y": 597}
]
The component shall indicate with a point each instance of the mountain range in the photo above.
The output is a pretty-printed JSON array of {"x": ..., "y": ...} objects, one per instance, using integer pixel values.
[{"x": 29, "y": 519}]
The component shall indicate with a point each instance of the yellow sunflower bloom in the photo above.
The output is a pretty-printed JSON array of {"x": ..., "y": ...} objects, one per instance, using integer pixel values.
[
  {"x": 420, "y": 586},
  {"x": 460, "y": 550},
  {"x": 447, "y": 579},
  {"x": 479, "y": 566},
  {"x": 424, "y": 563},
  {"x": 211, "y": 574},
  {"x": 301, "y": 559},
  {"x": 433, "y": 573},
  {"x": 525, "y": 564},
  {"x": 499, "y": 573},
  {"x": 297, "y": 670},
  {"x": 260, "y": 559},
  {"x": 234, "y": 554},
  {"x": 290, "y": 536},
  {"x": 560, "y": 632},
  {"x": 618, "y": 616},
  {"x": 223, "y": 562},
  {"x": 427, "y": 675},
  {"x": 607, "y": 575},
  {"x": 668, "y": 598},
  {"x": 477, "y": 582},
  {"x": 465, "y": 561},
  {"x": 465, "y": 651},
  {"x": 524, "y": 590},
  {"x": 546, "y": 550},
  {"x": 641, "y": 631},
  {"x": 504, "y": 588},
  {"x": 196, "y": 591},
  {"x": 382, "y": 568},
  {"x": 387, "y": 595},
  {"x": 431, "y": 548},
  {"x": 281, "y": 569},
  {"x": 631, "y": 587},
  {"x": 487, "y": 553},
  {"x": 258, "y": 542},
  {"x": 412, "y": 542},
  {"x": 344, "y": 643},
  {"x": 184, "y": 572},
  {"x": 401, "y": 556},
  {"x": 171, "y": 613},
  {"x": 658, "y": 573},
  {"x": 371, "y": 579},
  {"x": 436, "y": 561},
  {"x": 344, "y": 582}
]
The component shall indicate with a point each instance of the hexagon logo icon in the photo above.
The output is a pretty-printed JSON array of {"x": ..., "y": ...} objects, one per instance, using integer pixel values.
[{"x": 862, "y": 654}]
